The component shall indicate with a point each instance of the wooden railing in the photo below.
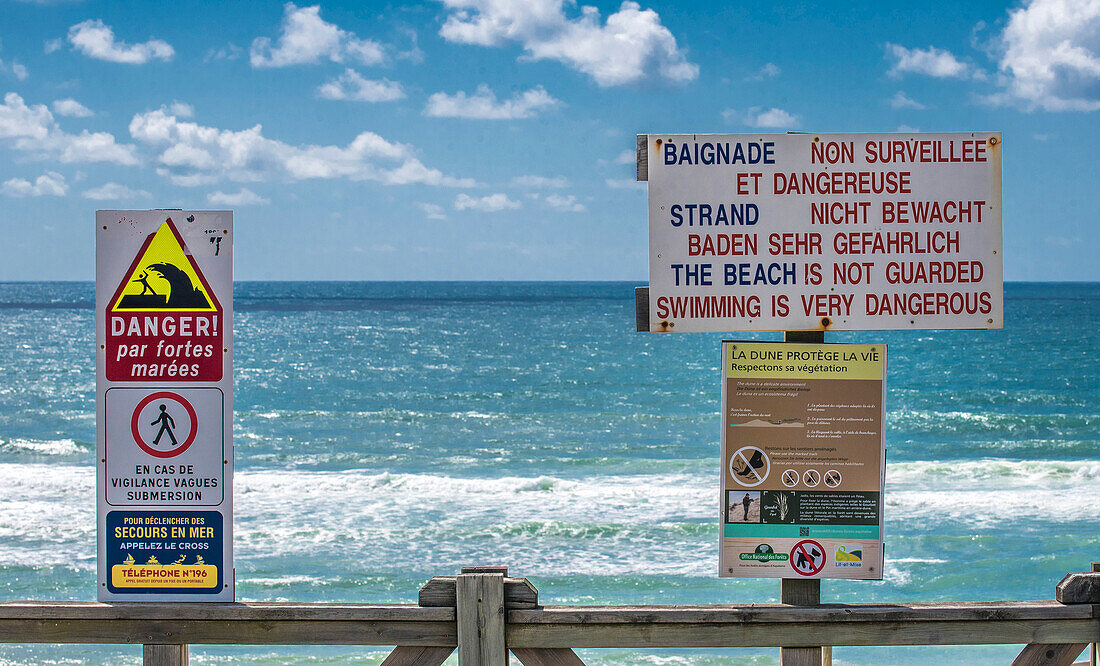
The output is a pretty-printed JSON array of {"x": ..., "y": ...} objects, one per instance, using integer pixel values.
[{"x": 484, "y": 613}]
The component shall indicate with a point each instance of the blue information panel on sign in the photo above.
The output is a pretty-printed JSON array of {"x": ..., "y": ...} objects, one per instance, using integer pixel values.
[{"x": 154, "y": 552}]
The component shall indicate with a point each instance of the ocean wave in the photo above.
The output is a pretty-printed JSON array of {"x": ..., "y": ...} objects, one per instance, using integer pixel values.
[
  {"x": 631, "y": 524},
  {"x": 44, "y": 447}
]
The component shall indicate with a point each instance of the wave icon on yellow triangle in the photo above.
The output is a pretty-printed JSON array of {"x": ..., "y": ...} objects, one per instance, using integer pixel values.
[{"x": 164, "y": 277}]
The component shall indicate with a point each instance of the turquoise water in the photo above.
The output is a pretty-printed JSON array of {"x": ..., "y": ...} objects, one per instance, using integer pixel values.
[{"x": 389, "y": 432}]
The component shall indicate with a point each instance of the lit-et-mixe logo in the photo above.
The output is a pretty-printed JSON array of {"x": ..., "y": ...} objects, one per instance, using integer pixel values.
[
  {"x": 848, "y": 558},
  {"x": 764, "y": 553}
]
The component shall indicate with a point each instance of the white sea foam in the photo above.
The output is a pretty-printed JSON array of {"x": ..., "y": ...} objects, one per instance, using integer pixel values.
[
  {"x": 49, "y": 447},
  {"x": 641, "y": 524}
]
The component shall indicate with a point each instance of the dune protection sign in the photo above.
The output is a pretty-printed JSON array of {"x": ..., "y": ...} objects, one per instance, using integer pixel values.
[
  {"x": 803, "y": 460},
  {"x": 164, "y": 405}
]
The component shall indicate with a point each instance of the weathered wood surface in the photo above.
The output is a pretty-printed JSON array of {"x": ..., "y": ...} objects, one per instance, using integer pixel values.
[
  {"x": 547, "y": 657},
  {"x": 92, "y": 610},
  {"x": 779, "y": 613},
  {"x": 480, "y": 612},
  {"x": 164, "y": 655},
  {"x": 803, "y": 592},
  {"x": 405, "y": 655},
  {"x": 1049, "y": 655},
  {"x": 642, "y": 142},
  {"x": 641, "y": 308},
  {"x": 1079, "y": 588},
  {"x": 440, "y": 592}
]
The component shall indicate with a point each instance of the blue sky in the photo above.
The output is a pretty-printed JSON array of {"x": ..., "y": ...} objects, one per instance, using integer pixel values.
[{"x": 493, "y": 139}]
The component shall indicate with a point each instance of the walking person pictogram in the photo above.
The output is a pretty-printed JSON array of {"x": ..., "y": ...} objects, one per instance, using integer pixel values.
[{"x": 167, "y": 423}]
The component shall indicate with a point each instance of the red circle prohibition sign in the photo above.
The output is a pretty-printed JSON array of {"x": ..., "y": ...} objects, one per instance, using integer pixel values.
[
  {"x": 164, "y": 395},
  {"x": 800, "y": 549}
]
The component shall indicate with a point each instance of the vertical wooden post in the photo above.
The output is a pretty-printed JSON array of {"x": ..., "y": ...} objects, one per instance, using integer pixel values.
[
  {"x": 164, "y": 655},
  {"x": 479, "y": 607},
  {"x": 1094, "y": 648},
  {"x": 803, "y": 591}
]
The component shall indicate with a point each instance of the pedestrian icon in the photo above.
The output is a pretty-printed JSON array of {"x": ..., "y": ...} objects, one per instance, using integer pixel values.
[{"x": 164, "y": 424}]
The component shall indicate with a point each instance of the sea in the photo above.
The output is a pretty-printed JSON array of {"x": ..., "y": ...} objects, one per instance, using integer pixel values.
[{"x": 385, "y": 433}]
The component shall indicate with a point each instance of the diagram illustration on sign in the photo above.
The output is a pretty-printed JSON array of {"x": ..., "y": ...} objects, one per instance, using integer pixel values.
[
  {"x": 749, "y": 466},
  {"x": 807, "y": 557},
  {"x": 164, "y": 277}
]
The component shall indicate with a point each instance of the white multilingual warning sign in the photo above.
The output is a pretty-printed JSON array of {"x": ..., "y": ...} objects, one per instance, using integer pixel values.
[
  {"x": 824, "y": 231},
  {"x": 164, "y": 405}
]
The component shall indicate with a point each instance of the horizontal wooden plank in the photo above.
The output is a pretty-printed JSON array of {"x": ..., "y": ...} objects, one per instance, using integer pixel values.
[
  {"x": 440, "y": 592},
  {"x": 771, "y": 613},
  {"x": 90, "y": 610},
  {"x": 223, "y": 632},
  {"x": 740, "y": 634}
]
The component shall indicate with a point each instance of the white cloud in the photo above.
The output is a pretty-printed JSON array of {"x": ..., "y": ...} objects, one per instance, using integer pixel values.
[
  {"x": 245, "y": 197},
  {"x": 768, "y": 71},
  {"x": 181, "y": 109},
  {"x": 763, "y": 118},
  {"x": 228, "y": 52},
  {"x": 625, "y": 184},
  {"x": 930, "y": 62},
  {"x": 306, "y": 38},
  {"x": 565, "y": 204},
  {"x": 908, "y": 129},
  {"x": 491, "y": 203},
  {"x": 1050, "y": 55},
  {"x": 630, "y": 46},
  {"x": 903, "y": 101},
  {"x": 353, "y": 87},
  {"x": 432, "y": 211},
  {"x": 627, "y": 157},
  {"x": 53, "y": 45},
  {"x": 96, "y": 40},
  {"x": 50, "y": 183},
  {"x": 483, "y": 105},
  {"x": 71, "y": 108},
  {"x": 15, "y": 69},
  {"x": 540, "y": 182},
  {"x": 193, "y": 154},
  {"x": 32, "y": 129},
  {"x": 115, "y": 192}
]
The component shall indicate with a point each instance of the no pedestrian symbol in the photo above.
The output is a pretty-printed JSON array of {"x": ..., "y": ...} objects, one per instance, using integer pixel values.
[
  {"x": 164, "y": 424},
  {"x": 807, "y": 557}
]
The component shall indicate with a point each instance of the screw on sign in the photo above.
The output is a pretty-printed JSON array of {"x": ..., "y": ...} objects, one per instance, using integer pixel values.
[
  {"x": 164, "y": 424},
  {"x": 807, "y": 557}
]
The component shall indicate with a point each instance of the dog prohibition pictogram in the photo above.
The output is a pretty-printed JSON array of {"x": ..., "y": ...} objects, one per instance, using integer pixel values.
[
  {"x": 164, "y": 424},
  {"x": 807, "y": 557}
]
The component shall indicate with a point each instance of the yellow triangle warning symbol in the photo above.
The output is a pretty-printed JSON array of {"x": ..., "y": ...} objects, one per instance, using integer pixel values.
[{"x": 164, "y": 276}]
